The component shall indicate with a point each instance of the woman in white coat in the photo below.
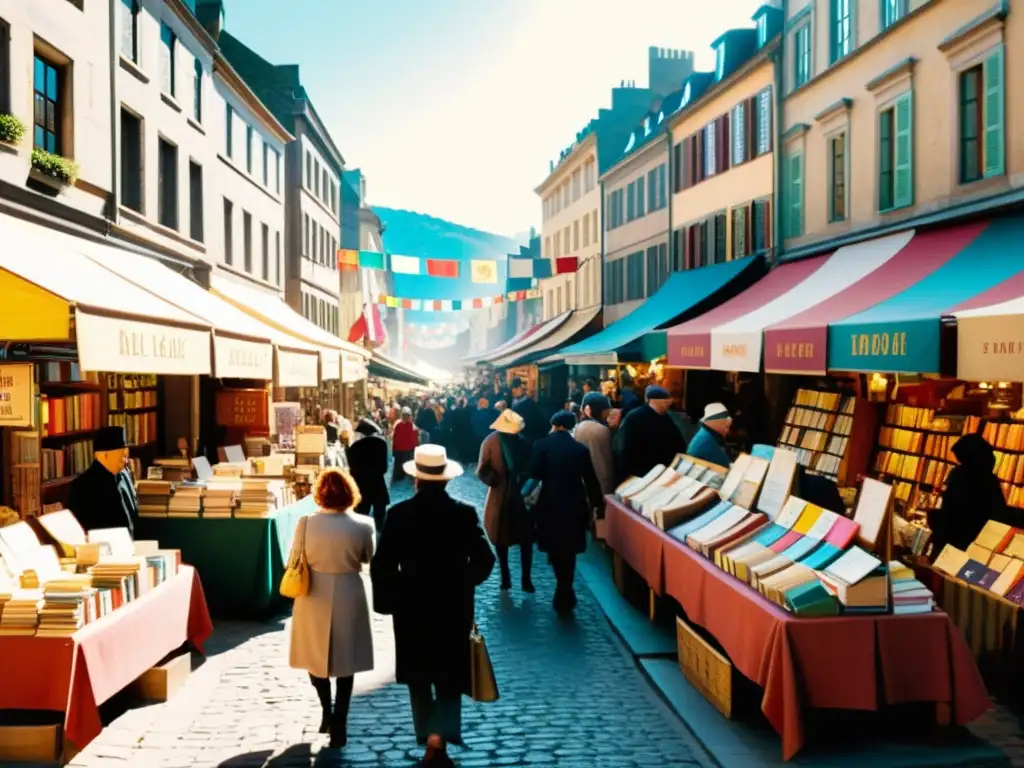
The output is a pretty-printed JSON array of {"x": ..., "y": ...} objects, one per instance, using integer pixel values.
[{"x": 331, "y": 633}]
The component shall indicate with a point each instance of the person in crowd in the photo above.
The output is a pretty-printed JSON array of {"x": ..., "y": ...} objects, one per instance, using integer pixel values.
[
  {"x": 331, "y": 634},
  {"x": 504, "y": 456},
  {"x": 368, "y": 464},
  {"x": 500, "y": 406},
  {"x": 432, "y": 555},
  {"x": 480, "y": 424},
  {"x": 628, "y": 401},
  {"x": 404, "y": 442},
  {"x": 567, "y": 405},
  {"x": 569, "y": 494},
  {"x": 527, "y": 407},
  {"x": 684, "y": 424},
  {"x": 614, "y": 420},
  {"x": 462, "y": 435},
  {"x": 575, "y": 393},
  {"x": 332, "y": 428},
  {"x": 648, "y": 436},
  {"x": 104, "y": 495},
  {"x": 593, "y": 432},
  {"x": 973, "y": 496},
  {"x": 709, "y": 442},
  {"x": 589, "y": 385}
]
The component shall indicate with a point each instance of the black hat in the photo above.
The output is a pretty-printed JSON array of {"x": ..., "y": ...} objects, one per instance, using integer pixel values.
[
  {"x": 109, "y": 439},
  {"x": 598, "y": 403},
  {"x": 654, "y": 392},
  {"x": 367, "y": 427},
  {"x": 563, "y": 419}
]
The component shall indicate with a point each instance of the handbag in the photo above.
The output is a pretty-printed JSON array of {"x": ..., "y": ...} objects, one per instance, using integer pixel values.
[
  {"x": 295, "y": 582},
  {"x": 483, "y": 685}
]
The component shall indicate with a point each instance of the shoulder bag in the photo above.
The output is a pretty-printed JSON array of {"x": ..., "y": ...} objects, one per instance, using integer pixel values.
[
  {"x": 483, "y": 685},
  {"x": 295, "y": 582}
]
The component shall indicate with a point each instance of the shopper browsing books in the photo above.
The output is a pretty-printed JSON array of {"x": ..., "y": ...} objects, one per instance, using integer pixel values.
[
  {"x": 709, "y": 442},
  {"x": 648, "y": 436},
  {"x": 104, "y": 495}
]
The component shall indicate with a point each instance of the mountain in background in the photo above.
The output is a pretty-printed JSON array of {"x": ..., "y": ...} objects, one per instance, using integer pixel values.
[{"x": 408, "y": 233}]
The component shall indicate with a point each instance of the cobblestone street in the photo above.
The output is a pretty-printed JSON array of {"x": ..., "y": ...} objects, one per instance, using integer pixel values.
[{"x": 571, "y": 696}]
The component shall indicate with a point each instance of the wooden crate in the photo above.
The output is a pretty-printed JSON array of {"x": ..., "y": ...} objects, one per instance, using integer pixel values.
[
  {"x": 30, "y": 744},
  {"x": 162, "y": 682},
  {"x": 707, "y": 670}
]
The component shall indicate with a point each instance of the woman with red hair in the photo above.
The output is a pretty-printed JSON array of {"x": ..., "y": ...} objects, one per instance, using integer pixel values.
[{"x": 331, "y": 632}]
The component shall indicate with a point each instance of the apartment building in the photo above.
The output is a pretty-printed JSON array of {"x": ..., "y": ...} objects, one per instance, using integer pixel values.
[
  {"x": 361, "y": 230},
  {"x": 897, "y": 115},
  {"x": 199, "y": 156},
  {"x": 722, "y": 140},
  {"x": 311, "y": 181}
]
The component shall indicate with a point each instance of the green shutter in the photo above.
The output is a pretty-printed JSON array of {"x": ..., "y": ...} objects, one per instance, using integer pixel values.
[
  {"x": 995, "y": 155},
  {"x": 903, "y": 170},
  {"x": 796, "y": 194}
]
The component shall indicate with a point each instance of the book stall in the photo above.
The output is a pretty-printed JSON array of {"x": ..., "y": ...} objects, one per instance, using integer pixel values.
[
  {"x": 784, "y": 585},
  {"x": 83, "y": 615}
]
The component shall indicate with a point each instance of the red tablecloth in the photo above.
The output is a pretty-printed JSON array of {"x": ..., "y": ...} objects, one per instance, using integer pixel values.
[
  {"x": 813, "y": 662},
  {"x": 76, "y": 674}
]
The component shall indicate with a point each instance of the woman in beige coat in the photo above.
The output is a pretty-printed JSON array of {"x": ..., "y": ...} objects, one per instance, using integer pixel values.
[{"x": 331, "y": 633}]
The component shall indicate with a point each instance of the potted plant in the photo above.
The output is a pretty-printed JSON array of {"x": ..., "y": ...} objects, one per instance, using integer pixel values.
[
  {"x": 53, "y": 169},
  {"x": 11, "y": 130}
]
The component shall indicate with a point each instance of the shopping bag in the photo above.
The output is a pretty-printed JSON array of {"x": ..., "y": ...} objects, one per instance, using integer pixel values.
[
  {"x": 483, "y": 685},
  {"x": 295, "y": 582}
]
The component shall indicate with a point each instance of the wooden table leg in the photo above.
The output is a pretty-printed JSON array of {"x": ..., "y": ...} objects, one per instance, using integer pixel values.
[{"x": 651, "y": 604}]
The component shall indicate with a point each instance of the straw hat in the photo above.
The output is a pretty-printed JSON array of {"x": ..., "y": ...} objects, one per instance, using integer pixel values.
[
  {"x": 430, "y": 462},
  {"x": 509, "y": 422}
]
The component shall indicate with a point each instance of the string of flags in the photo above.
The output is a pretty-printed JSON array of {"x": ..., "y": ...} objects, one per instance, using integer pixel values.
[
  {"x": 455, "y": 305},
  {"x": 480, "y": 270}
]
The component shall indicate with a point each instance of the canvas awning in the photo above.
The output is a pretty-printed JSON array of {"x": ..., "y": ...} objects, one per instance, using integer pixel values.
[
  {"x": 51, "y": 291},
  {"x": 384, "y": 367},
  {"x": 683, "y": 293},
  {"x": 485, "y": 357},
  {"x": 271, "y": 310},
  {"x": 566, "y": 333},
  {"x": 541, "y": 332},
  {"x": 990, "y": 337}
]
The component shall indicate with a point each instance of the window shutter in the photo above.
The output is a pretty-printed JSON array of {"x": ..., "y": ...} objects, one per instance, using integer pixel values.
[
  {"x": 726, "y": 142},
  {"x": 739, "y": 134},
  {"x": 677, "y": 166},
  {"x": 662, "y": 263},
  {"x": 796, "y": 201},
  {"x": 766, "y": 224},
  {"x": 764, "y": 122},
  {"x": 995, "y": 154},
  {"x": 903, "y": 172},
  {"x": 739, "y": 233}
]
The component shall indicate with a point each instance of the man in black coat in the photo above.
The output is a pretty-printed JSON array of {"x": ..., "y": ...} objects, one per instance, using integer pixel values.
[
  {"x": 368, "y": 465},
  {"x": 648, "y": 436},
  {"x": 569, "y": 493},
  {"x": 526, "y": 406},
  {"x": 104, "y": 495}
]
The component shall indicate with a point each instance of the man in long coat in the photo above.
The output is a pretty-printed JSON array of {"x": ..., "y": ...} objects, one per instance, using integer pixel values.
[
  {"x": 648, "y": 436},
  {"x": 368, "y": 465},
  {"x": 104, "y": 495}
]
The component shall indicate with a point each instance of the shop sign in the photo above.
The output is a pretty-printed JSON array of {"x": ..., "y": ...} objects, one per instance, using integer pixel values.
[
  {"x": 990, "y": 347},
  {"x": 795, "y": 350},
  {"x": 243, "y": 409},
  {"x": 330, "y": 364},
  {"x": 910, "y": 346},
  {"x": 238, "y": 359},
  {"x": 17, "y": 395},
  {"x": 690, "y": 351},
  {"x": 353, "y": 368},
  {"x": 736, "y": 351},
  {"x": 296, "y": 369},
  {"x": 115, "y": 345}
]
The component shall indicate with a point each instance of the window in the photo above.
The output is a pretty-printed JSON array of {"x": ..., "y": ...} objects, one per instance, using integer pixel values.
[
  {"x": 630, "y": 201},
  {"x": 760, "y": 230},
  {"x": 764, "y": 122},
  {"x": 896, "y": 155},
  {"x": 46, "y": 94},
  {"x": 721, "y": 252},
  {"x": 248, "y": 148},
  {"x": 167, "y": 173},
  {"x": 247, "y": 240},
  {"x": 762, "y": 30},
  {"x": 195, "y": 201},
  {"x": 653, "y": 283},
  {"x": 577, "y": 177},
  {"x": 168, "y": 44},
  {"x": 662, "y": 185},
  {"x": 635, "y": 276},
  {"x": 802, "y": 55},
  {"x": 130, "y": 30},
  {"x": 709, "y": 150},
  {"x": 229, "y": 232},
  {"x": 586, "y": 229},
  {"x": 892, "y": 11},
  {"x": 324, "y": 186},
  {"x": 652, "y": 189},
  {"x": 229, "y": 130},
  {"x": 313, "y": 255},
  {"x": 795, "y": 194},
  {"x": 316, "y": 177},
  {"x": 640, "y": 197},
  {"x": 266, "y": 252},
  {"x": 197, "y": 90},
  {"x": 266, "y": 165},
  {"x": 981, "y": 120},
  {"x": 131, "y": 161},
  {"x": 277, "y": 257},
  {"x": 841, "y": 29},
  {"x": 565, "y": 239},
  {"x": 595, "y": 224},
  {"x": 558, "y": 244},
  {"x": 576, "y": 235},
  {"x": 739, "y": 139},
  {"x": 309, "y": 170},
  {"x": 305, "y": 238},
  {"x": 546, "y": 253},
  {"x": 837, "y": 178}
]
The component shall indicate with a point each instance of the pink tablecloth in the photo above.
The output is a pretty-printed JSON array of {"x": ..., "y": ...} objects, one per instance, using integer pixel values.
[
  {"x": 76, "y": 674},
  {"x": 812, "y": 662}
]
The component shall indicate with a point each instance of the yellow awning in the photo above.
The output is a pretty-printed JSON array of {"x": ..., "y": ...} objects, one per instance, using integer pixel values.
[
  {"x": 273, "y": 311},
  {"x": 50, "y": 291}
]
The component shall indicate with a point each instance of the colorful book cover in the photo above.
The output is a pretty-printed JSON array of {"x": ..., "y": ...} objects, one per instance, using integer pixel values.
[
  {"x": 822, "y": 557},
  {"x": 682, "y": 531},
  {"x": 973, "y": 572}
]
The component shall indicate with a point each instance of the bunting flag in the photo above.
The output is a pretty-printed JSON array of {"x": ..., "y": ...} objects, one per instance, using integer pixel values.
[
  {"x": 405, "y": 265},
  {"x": 442, "y": 267},
  {"x": 483, "y": 271},
  {"x": 350, "y": 260},
  {"x": 450, "y": 305},
  {"x": 540, "y": 268}
]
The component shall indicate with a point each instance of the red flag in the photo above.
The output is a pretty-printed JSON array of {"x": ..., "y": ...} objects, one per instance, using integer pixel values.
[
  {"x": 478, "y": 303},
  {"x": 358, "y": 330},
  {"x": 437, "y": 305},
  {"x": 442, "y": 268},
  {"x": 565, "y": 265},
  {"x": 406, "y": 303}
]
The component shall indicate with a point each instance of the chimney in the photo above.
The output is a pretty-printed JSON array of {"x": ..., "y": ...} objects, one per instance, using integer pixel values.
[{"x": 211, "y": 15}]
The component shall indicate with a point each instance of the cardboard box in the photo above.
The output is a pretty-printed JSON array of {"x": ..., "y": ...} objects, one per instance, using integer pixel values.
[
  {"x": 707, "y": 670},
  {"x": 162, "y": 682},
  {"x": 30, "y": 743}
]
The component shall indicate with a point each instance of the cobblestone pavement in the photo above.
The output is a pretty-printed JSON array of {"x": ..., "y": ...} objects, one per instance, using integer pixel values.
[{"x": 572, "y": 697}]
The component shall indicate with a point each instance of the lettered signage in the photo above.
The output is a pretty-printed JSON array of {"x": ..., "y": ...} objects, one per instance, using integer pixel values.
[
  {"x": 116, "y": 345},
  {"x": 238, "y": 359},
  {"x": 990, "y": 347},
  {"x": 296, "y": 369},
  {"x": 17, "y": 395}
]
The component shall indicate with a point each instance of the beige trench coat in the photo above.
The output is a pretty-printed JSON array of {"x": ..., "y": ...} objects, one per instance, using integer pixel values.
[
  {"x": 598, "y": 438},
  {"x": 331, "y": 634},
  {"x": 490, "y": 455}
]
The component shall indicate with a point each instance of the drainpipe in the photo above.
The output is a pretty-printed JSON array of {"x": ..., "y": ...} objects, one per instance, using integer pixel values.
[
  {"x": 115, "y": 120},
  {"x": 779, "y": 63},
  {"x": 669, "y": 193}
]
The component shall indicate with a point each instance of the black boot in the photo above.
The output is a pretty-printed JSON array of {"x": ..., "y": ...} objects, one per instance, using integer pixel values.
[
  {"x": 323, "y": 692},
  {"x": 506, "y": 575},
  {"x": 526, "y": 555},
  {"x": 339, "y": 721}
]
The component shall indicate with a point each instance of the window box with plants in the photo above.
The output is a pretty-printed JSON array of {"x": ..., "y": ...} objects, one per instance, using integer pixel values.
[
  {"x": 11, "y": 131},
  {"x": 53, "y": 170}
]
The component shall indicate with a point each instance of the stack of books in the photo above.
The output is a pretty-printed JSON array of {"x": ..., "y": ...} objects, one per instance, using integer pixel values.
[
  {"x": 154, "y": 497},
  {"x": 186, "y": 501},
  {"x": 221, "y": 496},
  {"x": 121, "y": 577},
  {"x": 21, "y": 613},
  {"x": 908, "y": 594},
  {"x": 67, "y": 606},
  {"x": 260, "y": 497},
  {"x": 994, "y": 562},
  {"x": 859, "y": 580}
]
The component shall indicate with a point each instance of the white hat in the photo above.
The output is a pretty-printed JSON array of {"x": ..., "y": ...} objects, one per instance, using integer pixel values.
[
  {"x": 715, "y": 412},
  {"x": 430, "y": 462},
  {"x": 509, "y": 422}
]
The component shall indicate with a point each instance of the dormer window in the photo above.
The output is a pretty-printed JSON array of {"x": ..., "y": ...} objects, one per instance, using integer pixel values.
[
  {"x": 762, "y": 30},
  {"x": 720, "y": 62}
]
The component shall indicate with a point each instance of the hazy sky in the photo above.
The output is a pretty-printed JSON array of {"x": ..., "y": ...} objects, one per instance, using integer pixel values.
[{"x": 455, "y": 107}]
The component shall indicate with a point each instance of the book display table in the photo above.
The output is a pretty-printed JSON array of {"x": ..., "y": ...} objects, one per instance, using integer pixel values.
[
  {"x": 76, "y": 674},
  {"x": 241, "y": 561},
  {"x": 793, "y": 659}
]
